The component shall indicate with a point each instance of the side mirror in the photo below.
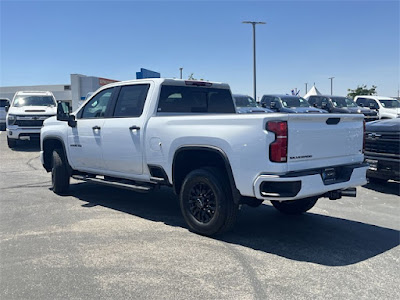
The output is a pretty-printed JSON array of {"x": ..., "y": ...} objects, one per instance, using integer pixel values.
[
  {"x": 71, "y": 121},
  {"x": 63, "y": 110},
  {"x": 263, "y": 105},
  {"x": 6, "y": 108},
  {"x": 361, "y": 105},
  {"x": 315, "y": 104},
  {"x": 63, "y": 113},
  {"x": 324, "y": 105},
  {"x": 272, "y": 105}
]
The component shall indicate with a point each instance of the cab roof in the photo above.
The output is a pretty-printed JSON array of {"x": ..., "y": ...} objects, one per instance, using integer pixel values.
[{"x": 170, "y": 81}]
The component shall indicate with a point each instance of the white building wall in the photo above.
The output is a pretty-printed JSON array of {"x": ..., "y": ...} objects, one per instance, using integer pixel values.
[
  {"x": 59, "y": 91},
  {"x": 75, "y": 92}
]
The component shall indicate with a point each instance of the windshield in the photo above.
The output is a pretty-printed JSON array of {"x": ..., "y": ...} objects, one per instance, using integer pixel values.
[
  {"x": 33, "y": 101},
  {"x": 245, "y": 101},
  {"x": 390, "y": 103},
  {"x": 342, "y": 102},
  {"x": 294, "y": 102}
]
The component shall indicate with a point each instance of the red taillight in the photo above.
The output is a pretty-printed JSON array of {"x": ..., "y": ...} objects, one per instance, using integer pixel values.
[
  {"x": 363, "y": 148},
  {"x": 278, "y": 149}
]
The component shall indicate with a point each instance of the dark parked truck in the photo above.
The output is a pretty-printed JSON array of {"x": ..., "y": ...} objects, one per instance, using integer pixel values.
[
  {"x": 382, "y": 150},
  {"x": 342, "y": 105},
  {"x": 246, "y": 104}
]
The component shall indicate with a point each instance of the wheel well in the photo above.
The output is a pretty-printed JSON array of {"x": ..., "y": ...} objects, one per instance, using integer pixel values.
[
  {"x": 187, "y": 160},
  {"x": 48, "y": 147}
]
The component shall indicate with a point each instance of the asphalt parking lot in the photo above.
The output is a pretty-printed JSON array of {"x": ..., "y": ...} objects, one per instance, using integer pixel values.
[{"x": 102, "y": 242}]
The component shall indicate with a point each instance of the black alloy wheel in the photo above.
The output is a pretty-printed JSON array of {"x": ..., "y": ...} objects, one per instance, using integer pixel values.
[
  {"x": 202, "y": 202},
  {"x": 206, "y": 202}
]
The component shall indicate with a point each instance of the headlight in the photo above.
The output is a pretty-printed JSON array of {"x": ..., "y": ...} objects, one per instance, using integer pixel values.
[{"x": 11, "y": 119}]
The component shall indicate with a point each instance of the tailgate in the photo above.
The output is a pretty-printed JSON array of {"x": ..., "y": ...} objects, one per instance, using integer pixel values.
[{"x": 324, "y": 140}]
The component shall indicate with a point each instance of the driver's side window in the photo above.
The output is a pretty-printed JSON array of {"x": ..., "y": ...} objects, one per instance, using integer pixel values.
[{"x": 96, "y": 107}]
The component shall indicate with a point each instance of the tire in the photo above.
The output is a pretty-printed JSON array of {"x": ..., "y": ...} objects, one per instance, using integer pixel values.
[
  {"x": 11, "y": 143},
  {"x": 295, "y": 207},
  {"x": 206, "y": 202},
  {"x": 59, "y": 173}
]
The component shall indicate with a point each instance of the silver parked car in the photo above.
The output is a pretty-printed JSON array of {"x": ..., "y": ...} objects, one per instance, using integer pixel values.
[{"x": 4, "y": 102}]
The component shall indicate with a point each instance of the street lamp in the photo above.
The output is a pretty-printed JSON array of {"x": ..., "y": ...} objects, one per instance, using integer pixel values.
[
  {"x": 306, "y": 88},
  {"x": 331, "y": 78},
  {"x": 254, "y": 52},
  {"x": 180, "y": 69}
]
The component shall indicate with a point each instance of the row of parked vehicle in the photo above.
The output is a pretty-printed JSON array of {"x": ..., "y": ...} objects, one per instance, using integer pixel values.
[
  {"x": 28, "y": 110},
  {"x": 142, "y": 134},
  {"x": 373, "y": 107}
]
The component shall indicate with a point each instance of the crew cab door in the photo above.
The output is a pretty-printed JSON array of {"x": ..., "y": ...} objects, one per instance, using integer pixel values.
[
  {"x": 122, "y": 134},
  {"x": 85, "y": 140}
]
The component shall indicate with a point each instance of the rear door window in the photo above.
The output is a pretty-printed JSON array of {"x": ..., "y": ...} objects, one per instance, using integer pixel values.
[
  {"x": 131, "y": 100},
  {"x": 183, "y": 99}
]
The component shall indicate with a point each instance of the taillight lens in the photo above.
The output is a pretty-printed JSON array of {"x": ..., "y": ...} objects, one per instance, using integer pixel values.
[{"x": 278, "y": 149}]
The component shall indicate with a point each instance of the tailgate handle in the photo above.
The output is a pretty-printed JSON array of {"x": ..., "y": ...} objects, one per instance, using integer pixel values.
[{"x": 333, "y": 121}]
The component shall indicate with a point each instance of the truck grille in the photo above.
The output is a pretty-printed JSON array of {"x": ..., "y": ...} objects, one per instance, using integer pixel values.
[
  {"x": 29, "y": 123},
  {"x": 382, "y": 142}
]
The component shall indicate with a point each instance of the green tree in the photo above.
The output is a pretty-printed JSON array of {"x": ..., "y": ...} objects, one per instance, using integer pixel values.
[{"x": 361, "y": 90}]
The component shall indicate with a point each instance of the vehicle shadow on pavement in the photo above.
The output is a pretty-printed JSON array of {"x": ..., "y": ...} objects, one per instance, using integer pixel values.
[
  {"x": 391, "y": 187},
  {"x": 27, "y": 146},
  {"x": 310, "y": 237}
]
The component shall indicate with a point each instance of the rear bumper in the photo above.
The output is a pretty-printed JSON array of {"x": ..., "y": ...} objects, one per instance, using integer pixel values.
[
  {"x": 21, "y": 133},
  {"x": 383, "y": 167},
  {"x": 300, "y": 185}
]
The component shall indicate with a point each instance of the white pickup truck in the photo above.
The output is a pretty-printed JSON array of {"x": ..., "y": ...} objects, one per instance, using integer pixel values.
[
  {"x": 186, "y": 134},
  {"x": 26, "y": 114}
]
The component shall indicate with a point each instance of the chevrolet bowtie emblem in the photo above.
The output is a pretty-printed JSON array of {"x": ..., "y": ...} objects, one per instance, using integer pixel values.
[{"x": 374, "y": 135}]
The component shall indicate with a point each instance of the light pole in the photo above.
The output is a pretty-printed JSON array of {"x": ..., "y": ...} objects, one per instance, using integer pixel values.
[
  {"x": 306, "y": 88},
  {"x": 180, "y": 69},
  {"x": 254, "y": 52},
  {"x": 331, "y": 78}
]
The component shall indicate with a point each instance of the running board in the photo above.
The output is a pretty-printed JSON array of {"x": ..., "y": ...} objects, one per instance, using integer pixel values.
[{"x": 128, "y": 186}]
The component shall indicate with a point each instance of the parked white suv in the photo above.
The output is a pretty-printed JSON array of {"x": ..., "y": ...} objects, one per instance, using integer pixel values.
[
  {"x": 26, "y": 114},
  {"x": 387, "y": 108}
]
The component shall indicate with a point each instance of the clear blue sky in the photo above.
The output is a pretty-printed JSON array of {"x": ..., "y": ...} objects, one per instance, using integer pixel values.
[{"x": 357, "y": 42}]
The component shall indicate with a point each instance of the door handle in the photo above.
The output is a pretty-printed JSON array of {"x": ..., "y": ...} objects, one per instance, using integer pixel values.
[
  {"x": 134, "y": 127},
  {"x": 96, "y": 127}
]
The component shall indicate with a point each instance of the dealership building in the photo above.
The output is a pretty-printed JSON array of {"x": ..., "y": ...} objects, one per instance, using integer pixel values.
[{"x": 74, "y": 92}]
